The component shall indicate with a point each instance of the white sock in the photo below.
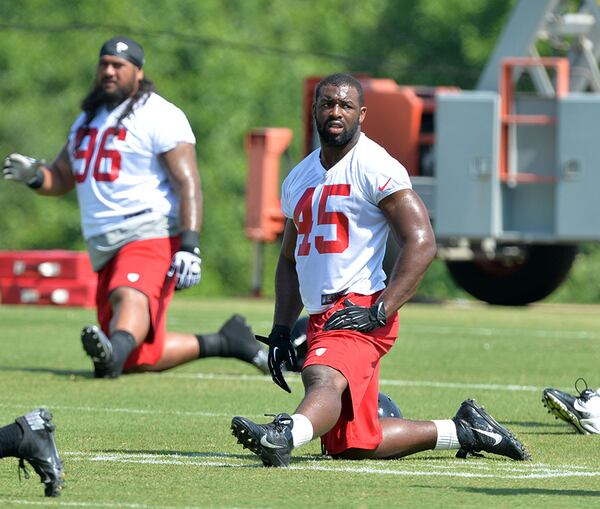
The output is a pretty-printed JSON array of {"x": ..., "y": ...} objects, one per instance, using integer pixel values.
[
  {"x": 302, "y": 431},
  {"x": 446, "y": 435}
]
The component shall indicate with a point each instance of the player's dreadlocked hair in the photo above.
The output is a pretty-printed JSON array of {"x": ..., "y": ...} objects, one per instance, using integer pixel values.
[{"x": 95, "y": 99}]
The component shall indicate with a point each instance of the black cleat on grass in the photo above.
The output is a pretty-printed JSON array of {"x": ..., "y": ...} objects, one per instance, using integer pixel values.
[
  {"x": 478, "y": 431},
  {"x": 242, "y": 344},
  {"x": 272, "y": 442},
  {"x": 39, "y": 450},
  {"x": 99, "y": 348},
  {"x": 582, "y": 412}
]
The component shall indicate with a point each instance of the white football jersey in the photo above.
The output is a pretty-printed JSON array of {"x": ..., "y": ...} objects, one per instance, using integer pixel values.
[
  {"x": 342, "y": 232},
  {"x": 118, "y": 173}
]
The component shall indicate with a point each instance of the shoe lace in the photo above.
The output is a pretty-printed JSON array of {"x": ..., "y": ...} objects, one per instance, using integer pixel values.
[
  {"x": 23, "y": 467},
  {"x": 584, "y": 394},
  {"x": 279, "y": 421}
]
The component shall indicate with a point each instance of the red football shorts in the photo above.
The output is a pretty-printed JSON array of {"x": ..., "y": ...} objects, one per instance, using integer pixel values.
[
  {"x": 356, "y": 355},
  {"x": 143, "y": 265}
]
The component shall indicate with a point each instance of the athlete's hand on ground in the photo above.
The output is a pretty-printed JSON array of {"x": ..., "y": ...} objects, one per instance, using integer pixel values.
[
  {"x": 281, "y": 349},
  {"x": 21, "y": 168},
  {"x": 358, "y": 318},
  {"x": 185, "y": 266}
]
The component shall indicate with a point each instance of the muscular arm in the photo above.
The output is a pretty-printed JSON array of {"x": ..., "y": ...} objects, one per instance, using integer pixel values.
[
  {"x": 58, "y": 176},
  {"x": 288, "y": 303},
  {"x": 183, "y": 173},
  {"x": 409, "y": 222}
]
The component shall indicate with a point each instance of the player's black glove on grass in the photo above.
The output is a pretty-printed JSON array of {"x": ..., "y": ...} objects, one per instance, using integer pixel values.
[
  {"x": 281, "y": 349},
  {"x": 358, "y": 318}
]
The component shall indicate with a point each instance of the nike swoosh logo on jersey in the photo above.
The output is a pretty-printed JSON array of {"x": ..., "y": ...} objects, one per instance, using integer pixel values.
[
  {"x": 381, "y": 188},
  {"x": 264, "y": 442},
  {"x": 496, "y": 436}
]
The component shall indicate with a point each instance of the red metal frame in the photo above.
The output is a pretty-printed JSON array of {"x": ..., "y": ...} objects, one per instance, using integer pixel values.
[{"x": 508, "y": 119}]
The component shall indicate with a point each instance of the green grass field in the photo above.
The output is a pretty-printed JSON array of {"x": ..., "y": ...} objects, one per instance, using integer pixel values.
[{"x": 163, "y": 440}]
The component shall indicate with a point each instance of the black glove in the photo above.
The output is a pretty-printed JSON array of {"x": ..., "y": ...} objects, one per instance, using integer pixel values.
[
  {"x": 358, "y": 318},
  {"x": 281, "y": 349}
]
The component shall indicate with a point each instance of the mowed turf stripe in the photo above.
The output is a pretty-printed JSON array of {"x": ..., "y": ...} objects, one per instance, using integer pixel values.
[
  {"x": 64, "y": 503},
  {"x": 454, "y": 468}
]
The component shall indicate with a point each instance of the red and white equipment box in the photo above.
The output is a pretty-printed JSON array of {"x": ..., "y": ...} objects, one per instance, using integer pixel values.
[
  {"x": 63, "y": 292},
  {"x": 47, "y": 277},
  {"x": 45, "y": 264}
]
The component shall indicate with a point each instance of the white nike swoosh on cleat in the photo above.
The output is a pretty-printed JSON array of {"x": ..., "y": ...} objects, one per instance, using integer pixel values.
[
  {"x": 496, "y": 436},
  {"x": 266, "y": 443}
]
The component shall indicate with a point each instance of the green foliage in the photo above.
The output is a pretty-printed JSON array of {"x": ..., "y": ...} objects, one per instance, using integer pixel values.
[
  {"x": 583, "y": 284},
  {"x": 231, "y": 66},
  {"x": 437, "y": 284}
]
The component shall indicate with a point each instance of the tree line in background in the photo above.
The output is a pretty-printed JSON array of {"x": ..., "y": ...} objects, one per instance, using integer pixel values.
[{"x": 231, "y": 66}]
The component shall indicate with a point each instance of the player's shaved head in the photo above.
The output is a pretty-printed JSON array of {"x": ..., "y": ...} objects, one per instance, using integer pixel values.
[{"x": 338, "y": 80}]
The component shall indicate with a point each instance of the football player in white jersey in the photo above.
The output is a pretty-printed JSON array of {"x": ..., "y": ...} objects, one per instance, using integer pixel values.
[
  {"x": 131, "y": 158},
  {"x": 341, "y": 201}
]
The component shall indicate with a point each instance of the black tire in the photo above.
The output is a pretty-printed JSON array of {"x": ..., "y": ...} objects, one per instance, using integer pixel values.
[{"x": 541, "y": 272}]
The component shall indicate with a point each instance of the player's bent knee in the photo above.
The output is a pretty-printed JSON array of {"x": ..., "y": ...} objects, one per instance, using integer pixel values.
[
  {"x": 128, "y": 295},
  {"x": 318, "y": 376}
]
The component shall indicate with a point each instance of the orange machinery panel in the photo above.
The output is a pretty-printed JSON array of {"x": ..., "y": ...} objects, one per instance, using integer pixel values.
[
  {"x": 46, "y": 277},
  {"x": 399, "y": 118},
  {"x": 264, "y": 219}
]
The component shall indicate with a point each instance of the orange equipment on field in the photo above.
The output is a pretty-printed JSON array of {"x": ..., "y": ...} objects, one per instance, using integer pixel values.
[{"x": 264, "y": 219}]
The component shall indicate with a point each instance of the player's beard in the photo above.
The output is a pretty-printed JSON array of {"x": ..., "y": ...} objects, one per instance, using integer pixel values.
[
  {"x": 336, "y": 140},
  {"x": 99, "y": 96},
  {"x": 118, "y": 95}
]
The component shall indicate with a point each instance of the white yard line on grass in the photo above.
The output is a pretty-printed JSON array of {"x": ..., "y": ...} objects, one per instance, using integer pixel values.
[
  {"x": 405, "y": 383},
  {"x": 291, "y": 378},
  {"x": 142, "y": 411},
  {"x": 443, "y": 468},
  {"x": 489, "y": 331},
  {"x": 410, "y": 327}
]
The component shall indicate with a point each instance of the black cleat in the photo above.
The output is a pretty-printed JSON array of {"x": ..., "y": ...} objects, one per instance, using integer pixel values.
[
  {"x": 583, "y": 412},
  {"x": 242, "y": 343},
  {"x": 272, "y": 442},
  {"x": 99, "y": 348},
  {"x": 39, "y": 450},
  {"x": 478, "y": 431}
]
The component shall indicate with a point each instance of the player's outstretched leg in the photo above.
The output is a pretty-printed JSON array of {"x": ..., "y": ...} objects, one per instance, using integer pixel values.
[
  {"x": 38, "y": 448},
  {"x": 272, "y": 442},
  {"x": 241, "y": 343},
  {"x": 478, "y": 431},
  {"x": 583, "y": 412},
  {"x": 97, "y": 345}
]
